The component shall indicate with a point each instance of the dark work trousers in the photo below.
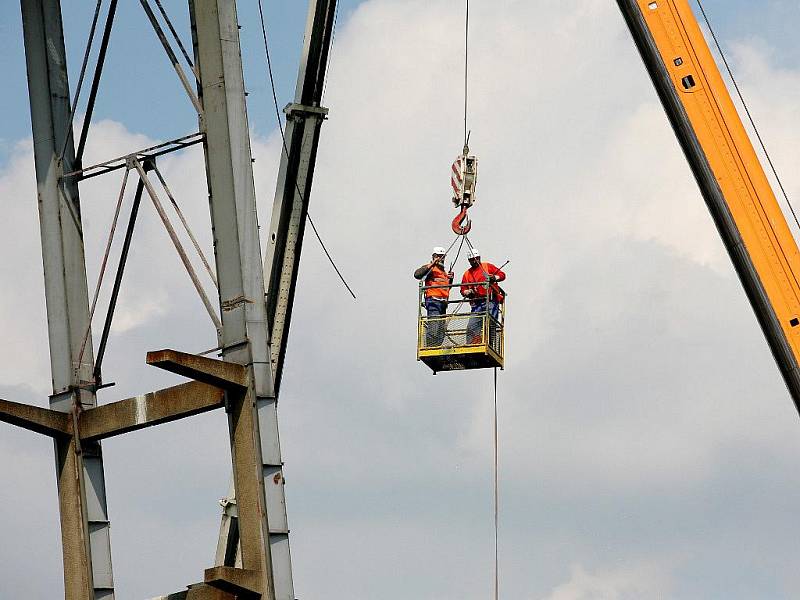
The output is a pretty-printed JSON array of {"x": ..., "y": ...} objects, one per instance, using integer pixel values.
[
  {"x": 435, "y": 327},
  {"x": 475, "y": 325}
]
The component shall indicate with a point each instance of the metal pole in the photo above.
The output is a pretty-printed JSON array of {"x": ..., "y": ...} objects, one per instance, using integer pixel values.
[
  {"x": 79, "y": 467},
  {"x": 262, "y": 524}
]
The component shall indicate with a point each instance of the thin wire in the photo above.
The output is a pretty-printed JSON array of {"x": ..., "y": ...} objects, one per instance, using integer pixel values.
[
  {"x": 328, "y": 254},
  {"x": 286, "y": 148},
  {"x": 87, "y": 52},
  {"x": 496, "y": 498},
  {"x": 747, "y": 111},
  {"x": 466, "y": 71},
  {"x": 471, "y": 247},
  {"x": 461, "y": 245},
  {"x": 330, "y": 52}
]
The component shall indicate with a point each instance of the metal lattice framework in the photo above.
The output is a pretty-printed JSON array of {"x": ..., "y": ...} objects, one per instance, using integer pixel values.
[{"x": 251, "y": 321}]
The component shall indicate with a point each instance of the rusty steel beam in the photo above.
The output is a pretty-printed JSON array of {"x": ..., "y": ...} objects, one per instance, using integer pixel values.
[
  {"x": 206, "y": 592},
  {"x": 214, "y": 372},
  {"x": 34, "y": 418},
  {"x": 157, "y": 407},
  {"x": 242, "y": 583},
  {"x": 199, "y": 591}
]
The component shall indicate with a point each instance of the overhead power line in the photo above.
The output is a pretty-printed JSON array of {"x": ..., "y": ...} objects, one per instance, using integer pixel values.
[{"x": 286, "y": 148}]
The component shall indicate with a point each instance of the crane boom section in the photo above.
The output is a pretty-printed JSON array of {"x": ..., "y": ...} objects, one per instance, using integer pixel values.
[{"x": 726, "y": 166}]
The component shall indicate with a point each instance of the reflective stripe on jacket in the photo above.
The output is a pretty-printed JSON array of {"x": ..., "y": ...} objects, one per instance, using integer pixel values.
[{"x": 477, "y": 275}]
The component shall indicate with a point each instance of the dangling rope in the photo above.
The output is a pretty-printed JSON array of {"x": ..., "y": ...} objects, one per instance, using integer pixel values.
[
  {"x": 496, "y": 498},
  {"x": 747, "y": 111}
]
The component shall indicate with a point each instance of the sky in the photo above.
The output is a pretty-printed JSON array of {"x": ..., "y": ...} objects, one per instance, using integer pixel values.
[{"x": 648, "y": 446}]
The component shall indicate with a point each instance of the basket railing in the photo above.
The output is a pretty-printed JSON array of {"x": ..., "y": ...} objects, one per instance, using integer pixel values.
[{"x": 463, "y": 327}]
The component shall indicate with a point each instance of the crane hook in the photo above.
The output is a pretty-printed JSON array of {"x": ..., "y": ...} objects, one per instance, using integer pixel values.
[{"x": 462, "y": 224}]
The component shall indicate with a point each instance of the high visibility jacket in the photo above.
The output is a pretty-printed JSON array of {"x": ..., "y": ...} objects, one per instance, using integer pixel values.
[
  {"x": 437, "y": 276},
  {"x": 478, "y": 275}
]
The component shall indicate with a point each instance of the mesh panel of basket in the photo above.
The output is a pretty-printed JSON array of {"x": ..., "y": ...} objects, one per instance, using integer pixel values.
[{"x": 452, "y": 331}]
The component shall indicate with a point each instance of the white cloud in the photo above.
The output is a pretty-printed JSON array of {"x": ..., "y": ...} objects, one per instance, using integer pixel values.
[{"x": 630, "y": 583}]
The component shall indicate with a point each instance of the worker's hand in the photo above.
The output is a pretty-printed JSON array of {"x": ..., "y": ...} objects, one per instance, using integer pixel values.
[
  {"x": 450, "y": 276},
  {"x": 492, "y": 279}
]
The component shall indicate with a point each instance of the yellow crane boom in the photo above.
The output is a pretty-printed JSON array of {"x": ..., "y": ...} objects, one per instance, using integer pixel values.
[{"x": 727, "y": 169}]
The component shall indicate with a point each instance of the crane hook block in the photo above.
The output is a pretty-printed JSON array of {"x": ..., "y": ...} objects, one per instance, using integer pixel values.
[
  {"x": 463, "y": 179},
  {"x": 462, "y": 224}
]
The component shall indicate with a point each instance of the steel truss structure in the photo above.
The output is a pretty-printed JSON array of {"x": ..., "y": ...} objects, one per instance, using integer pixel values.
[{"x": 252, "y": 321}]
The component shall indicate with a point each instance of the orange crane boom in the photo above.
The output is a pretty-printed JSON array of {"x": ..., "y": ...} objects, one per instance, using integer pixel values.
[{"x": 727, "y": 169}]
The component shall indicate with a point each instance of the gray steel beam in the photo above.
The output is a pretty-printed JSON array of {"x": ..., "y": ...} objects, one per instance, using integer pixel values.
[
  {"x": 290, "y": 208},
  {"x": 252, "y": 415},
  {"x": 81, "y": 486}
]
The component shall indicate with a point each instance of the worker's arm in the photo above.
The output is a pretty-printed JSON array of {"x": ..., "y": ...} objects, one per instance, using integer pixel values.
[
  {"x": 496, "y": 273},
  {"x": 423, "y": 271},
  {"x": 466, "y": 290}
]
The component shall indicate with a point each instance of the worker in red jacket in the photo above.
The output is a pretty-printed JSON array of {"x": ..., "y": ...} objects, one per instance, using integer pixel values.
[
  {"x": 436, "y": 298},
  {"x": 484, "y": 299}
]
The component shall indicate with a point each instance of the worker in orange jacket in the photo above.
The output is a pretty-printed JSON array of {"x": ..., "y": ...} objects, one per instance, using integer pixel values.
[
  {"x": 436, "y": 298},
  {"x": 484, "y": 299}
]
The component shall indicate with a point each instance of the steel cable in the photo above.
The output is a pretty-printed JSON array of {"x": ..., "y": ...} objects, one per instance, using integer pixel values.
[
  {"x": 330, "y": 52},
  {"x": 466, "y": 72},
  {"x": 496, "y": 498},
  {"x": 286, "y": 148},
  {"x": 747, "y": 111}
]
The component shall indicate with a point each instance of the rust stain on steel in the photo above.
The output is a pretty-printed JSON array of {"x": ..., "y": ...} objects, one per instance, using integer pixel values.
[
  {"x": 201, "y": 368},
  {"x": 206, "y": 592},
  {"x": 244, "y": 583},
  {"x": 157, "y": 407},
  {"x": 277, "y": 478},
  {"x": 234, "y": 303},
  {"x": 34, "y": 418}
]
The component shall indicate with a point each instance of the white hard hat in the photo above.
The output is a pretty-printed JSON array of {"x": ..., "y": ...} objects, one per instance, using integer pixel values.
[
  {"x": 439, "y": 250},
  {"x": 473, "y": 253}
]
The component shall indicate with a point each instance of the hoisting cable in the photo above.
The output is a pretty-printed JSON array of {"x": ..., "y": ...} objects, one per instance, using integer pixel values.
[
  {"x": 496, "y": 498},
  {"x": 286, "y": 149},
  {"x": 458, "y": 253},
  {"x": 747, "y": 111},
  {"x": 466, "y": 72},
  {"x": 472, "y": 248}
]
